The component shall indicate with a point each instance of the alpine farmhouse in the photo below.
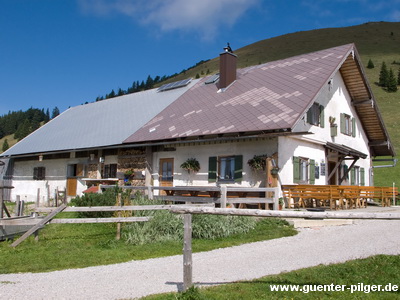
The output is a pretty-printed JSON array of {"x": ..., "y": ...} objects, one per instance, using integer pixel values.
[{"x": 311, "y": 118}]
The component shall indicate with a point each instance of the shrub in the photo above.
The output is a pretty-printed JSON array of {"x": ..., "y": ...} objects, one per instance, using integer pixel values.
[
  {"x": 108, "y": 198},
  {"x": 166, "y": 226}
]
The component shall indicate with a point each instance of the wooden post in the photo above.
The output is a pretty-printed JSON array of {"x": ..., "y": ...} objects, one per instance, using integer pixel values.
[
  {"x": 21, "y": 208},
  {"x": 38, "y": 198},
  {"x": 38, "y": 225},
  {"x": 18, "y": 206},
  {"x": 149, "y": 192},
  {"x": 1, "y": 202},
  {"x": 119, "y": 202},
  {"x": 187, "y": 252},
  {"x": 224, "y": 194}
]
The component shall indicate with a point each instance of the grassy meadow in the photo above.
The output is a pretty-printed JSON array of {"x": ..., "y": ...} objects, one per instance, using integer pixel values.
[
  {"x": 65, "y": 246},
  {"x": 357, "y": 274}
]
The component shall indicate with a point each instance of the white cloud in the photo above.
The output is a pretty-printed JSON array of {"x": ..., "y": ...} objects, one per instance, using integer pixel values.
[{"x": 202, "y": 16}]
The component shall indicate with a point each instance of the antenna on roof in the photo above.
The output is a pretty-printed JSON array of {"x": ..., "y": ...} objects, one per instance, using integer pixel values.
[{"x": 228, "y": 48}]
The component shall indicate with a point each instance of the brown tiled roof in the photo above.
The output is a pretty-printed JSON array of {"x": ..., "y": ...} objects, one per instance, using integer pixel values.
[{"x": 271, "y": 96}]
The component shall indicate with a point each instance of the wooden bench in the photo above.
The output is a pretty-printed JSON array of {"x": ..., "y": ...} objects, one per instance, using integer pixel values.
[{"x": 337, "y": 196}]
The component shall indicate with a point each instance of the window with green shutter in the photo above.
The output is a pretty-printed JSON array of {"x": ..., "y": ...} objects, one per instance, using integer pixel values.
[
  {"x": 225, "y": 168},
  {"x": 362, "y": 176},
  {"x": 296, "y": 169},
  {"x": 312, "y": 171},
  {"x": 316, "y": 116},
  {"x": 238, "y": 168},
  {"x": 212, "y": 169},
  {"x": 347, "y": 125}
]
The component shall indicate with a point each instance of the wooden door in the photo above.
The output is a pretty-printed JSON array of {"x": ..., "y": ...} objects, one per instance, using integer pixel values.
[
  {"x": 331, "y": 167},
  {"x": 166, "y": 172},
  {"x": 71, "y": 186}
]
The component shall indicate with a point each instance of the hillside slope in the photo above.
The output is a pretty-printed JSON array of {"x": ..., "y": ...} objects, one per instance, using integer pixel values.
[{"x": 378, "y": 41}]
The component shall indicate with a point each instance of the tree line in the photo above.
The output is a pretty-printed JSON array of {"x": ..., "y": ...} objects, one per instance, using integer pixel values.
[
  {"x": 139, "y": 86},
  {"x": 21, "y": 123}
]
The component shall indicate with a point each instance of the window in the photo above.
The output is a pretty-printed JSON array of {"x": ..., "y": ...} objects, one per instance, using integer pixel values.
[
  {"x": 315, "y": 115},
  {"x": 225, "y": 168},
  {"x": 39, "y": 173},
  {"x": 347, "y": 125},
  {"x": 357, "y": 176},
  {"x": 76, "y": 170},
  {"x": 109, "y": 171},
  {"x": 303, "y": 170}
]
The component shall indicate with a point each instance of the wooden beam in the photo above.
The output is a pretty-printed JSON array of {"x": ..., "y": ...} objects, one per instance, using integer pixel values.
[
  {"x": 100, "y": 220},
  {"x": 285, "y": 214},
  {"x": 38, "y": 225},
  {"x": 187, "y": 252}
]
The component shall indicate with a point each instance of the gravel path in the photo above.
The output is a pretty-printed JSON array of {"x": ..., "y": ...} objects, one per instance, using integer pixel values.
[{"x": 311, "y": 247}]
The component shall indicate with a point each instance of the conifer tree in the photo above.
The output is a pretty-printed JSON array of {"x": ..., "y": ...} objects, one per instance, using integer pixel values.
[
  {"x": 55, "y": 112},
  {"x": 370, "y": 64},
  {"x": 5, "y": 145},
  {"x": 391, "y": 82},
  {"x": 398, "y": 77},
  {"x": 383, "y": 75}
]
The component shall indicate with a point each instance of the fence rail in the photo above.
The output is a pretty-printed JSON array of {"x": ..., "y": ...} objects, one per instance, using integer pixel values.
[{"x": 222, "y": 195}]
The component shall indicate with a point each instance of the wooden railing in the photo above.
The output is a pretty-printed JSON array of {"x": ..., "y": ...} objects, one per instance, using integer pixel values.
[
  {"x": 222, "y": 195},
  {"x": 337, "y": 196}
]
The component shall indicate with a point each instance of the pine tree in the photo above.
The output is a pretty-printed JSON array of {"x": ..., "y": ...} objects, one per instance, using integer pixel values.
[
  {"x": 47, "y": 115},
  {"x": 370, "y": 64},
  {"x": 398, "y": 77},
  {"x": 392, "y": 82},
  {"x": 383, "y": 75},
  {"x": 55, "y": 112},
  {"x": 5, "y": 145}
]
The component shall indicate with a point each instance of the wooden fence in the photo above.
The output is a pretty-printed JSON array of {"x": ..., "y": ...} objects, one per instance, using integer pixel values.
[
  {"x": 187, "y": 213},
  {"x": 222, "y": 196}
]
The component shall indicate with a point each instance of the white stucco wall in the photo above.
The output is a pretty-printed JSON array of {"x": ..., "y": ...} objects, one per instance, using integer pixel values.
[
  {"x": 336, "y": 100},
  {"x": 56, "y": 178},
  {"x": 202, "y": 152}
]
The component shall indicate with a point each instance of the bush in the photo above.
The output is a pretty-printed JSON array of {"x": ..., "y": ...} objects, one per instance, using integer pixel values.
[
  {"x": 166, "y": 226},
  {"x": 108, "y": 198}
]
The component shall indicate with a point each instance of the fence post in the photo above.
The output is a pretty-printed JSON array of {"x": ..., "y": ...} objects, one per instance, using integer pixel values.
[
  {"x": 224, "y": 192},
  {"x": 149, "y": 192},
  {"x": 276, "y": 199},
  {"x": 38, "y": 198},
  {"x": 18, "y": 206},
  {"x": 121, "y": 203},
  {"x": 187, "y": 251}
]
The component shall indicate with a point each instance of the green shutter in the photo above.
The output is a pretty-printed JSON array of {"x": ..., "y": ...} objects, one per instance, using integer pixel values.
[
  {"x": 345, "y": 172},
  {"x": 342, "y": 123},
  {"x": 296, "y": 169},
  {"x": 309, "y": 115},
  {"x": 212, "y": 169},
  {"x": 312, "y": 171},
  {"x": 238, "y": 168},
  {"x": 352, "y": 176},
  {"x": 353, "y": 128},
  {"x": 362, "y": 176},
  {"x": 321, "y": 116}
]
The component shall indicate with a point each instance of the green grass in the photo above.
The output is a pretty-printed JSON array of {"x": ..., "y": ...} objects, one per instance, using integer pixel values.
[
  {"x": 377, "y": 270},
  {"x": 64, "y": 246}
]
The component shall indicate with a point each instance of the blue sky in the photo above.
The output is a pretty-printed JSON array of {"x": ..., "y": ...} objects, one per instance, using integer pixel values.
[{"x": 67, "y": 52}]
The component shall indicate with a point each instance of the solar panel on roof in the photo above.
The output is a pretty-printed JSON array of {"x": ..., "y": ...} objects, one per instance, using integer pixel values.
[
  {"x": 174, "y": 85},
  {"x": 212, "y": 79}
]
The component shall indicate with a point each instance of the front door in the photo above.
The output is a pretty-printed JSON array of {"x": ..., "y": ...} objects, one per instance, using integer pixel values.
[
  {"x": 166, "y": 173},
  {"x": 333, "y": 178}
]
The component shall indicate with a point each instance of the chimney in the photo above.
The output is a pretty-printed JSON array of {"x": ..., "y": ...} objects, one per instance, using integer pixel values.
[{"x": 227, "y": 69}]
